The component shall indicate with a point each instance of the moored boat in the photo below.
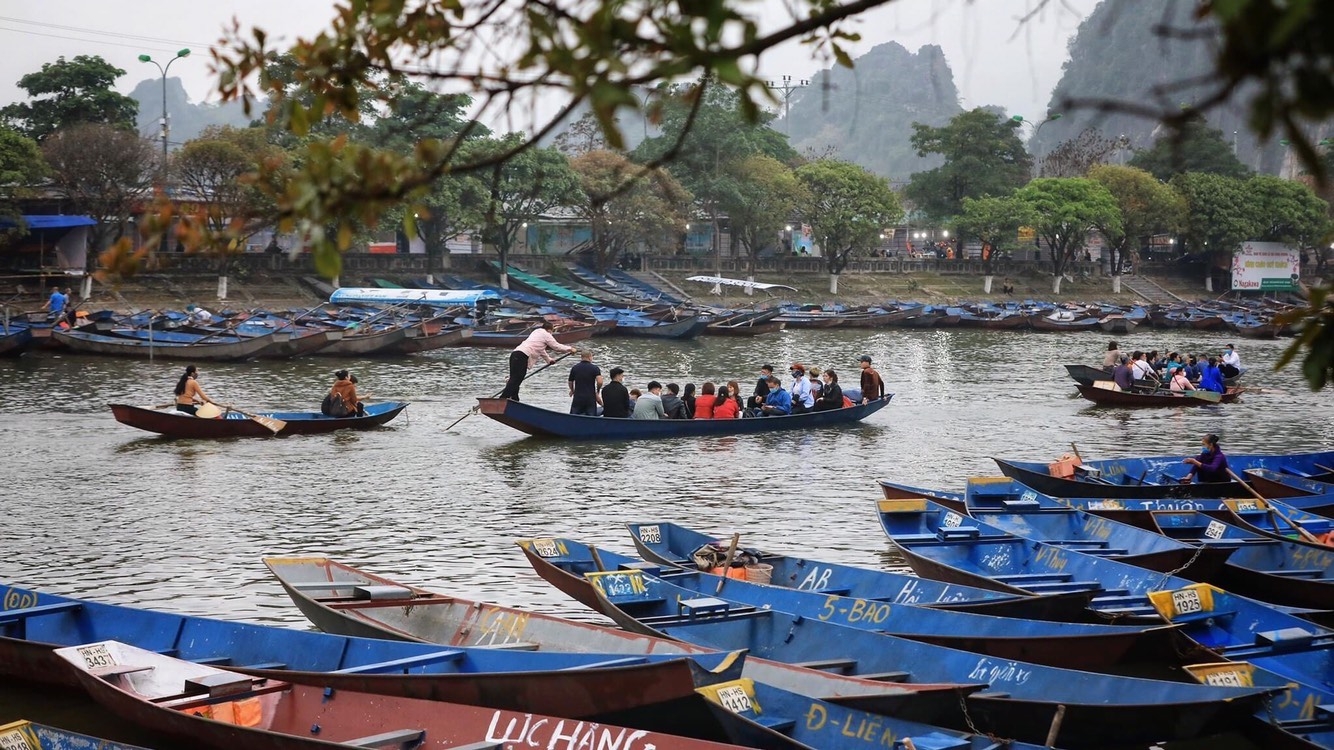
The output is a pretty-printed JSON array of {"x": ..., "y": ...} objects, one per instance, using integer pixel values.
[
  {"x": 27, "y": 735},
  {"x": 224, "y": 710},
  {"x": 232, "y": 424},
  {"x": 84, "y": 342},
  {"x": 1159, "y": 398},
  {"x": 541, "y": 422},
  {"x": 1148, "y": 477}
]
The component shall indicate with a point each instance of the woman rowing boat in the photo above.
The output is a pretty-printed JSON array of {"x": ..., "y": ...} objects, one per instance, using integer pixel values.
[{"x": 189, "y": 396}]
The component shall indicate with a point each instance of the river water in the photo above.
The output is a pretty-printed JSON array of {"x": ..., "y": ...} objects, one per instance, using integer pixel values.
[{"x": 96, "y": 509}]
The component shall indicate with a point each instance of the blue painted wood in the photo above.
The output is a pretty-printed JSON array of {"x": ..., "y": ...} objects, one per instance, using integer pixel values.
[
  {"x": 1023, "y": 696},
  {"x": 1228, "y": 628},
  {"x": 32, "y": 736},
  {"x": 672, "y": 544},
  {"x": 535, "y": 420},
  {"x": 1072, "y": 645}
]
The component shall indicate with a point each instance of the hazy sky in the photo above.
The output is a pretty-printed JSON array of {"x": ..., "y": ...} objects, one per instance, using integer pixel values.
[{"x": 995, "y": 60}]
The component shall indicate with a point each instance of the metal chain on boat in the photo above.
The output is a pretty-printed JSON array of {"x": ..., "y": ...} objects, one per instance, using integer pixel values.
[
  {"x": 1190, "y": 562},
  {"x": 963, "y": 706}
]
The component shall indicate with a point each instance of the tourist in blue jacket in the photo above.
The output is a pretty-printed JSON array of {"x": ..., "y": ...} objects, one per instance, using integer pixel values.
[
  {"x": 779, "y": 402},
  {"x": 1211, "y": 378}
]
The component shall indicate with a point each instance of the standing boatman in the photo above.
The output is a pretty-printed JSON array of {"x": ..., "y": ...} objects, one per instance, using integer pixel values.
[
  {"x": 873, "y": 387},
  {"x": 585, "y": 386},
  {"x": 525, "y": 355}
]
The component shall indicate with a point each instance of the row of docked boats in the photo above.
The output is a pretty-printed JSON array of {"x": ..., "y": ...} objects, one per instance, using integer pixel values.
[{"x": 1029, "y": 614}]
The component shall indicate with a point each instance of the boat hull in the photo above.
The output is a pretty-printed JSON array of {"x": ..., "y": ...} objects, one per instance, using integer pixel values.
[
  {"x": 552, "y": 424},
  {"x": 233, "y": 351},
  {"x": 366, "y": 344},
  {"x": 1108, "y": 397},
  {"x": 178, "y": 425},
  {"x": 1059, "y": 487}
]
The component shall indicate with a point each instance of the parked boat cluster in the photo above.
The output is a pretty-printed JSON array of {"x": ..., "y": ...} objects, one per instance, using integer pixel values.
[
  {"x": 583, "y": 304},
  {"x": 1031, "y": 603}
]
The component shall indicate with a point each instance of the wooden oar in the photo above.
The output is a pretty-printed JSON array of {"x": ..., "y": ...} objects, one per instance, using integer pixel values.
[
  {"x": 1306, "y": 535},
  {"x": 727, "y": 562},
  {"x": 476, "y": 408},
  {"x": 1210, "y": 396},
  {"x": 275, "y": 425}
]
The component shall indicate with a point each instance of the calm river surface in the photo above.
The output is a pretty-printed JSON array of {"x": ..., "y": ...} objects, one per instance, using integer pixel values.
[{"x": 97, "y": 509}]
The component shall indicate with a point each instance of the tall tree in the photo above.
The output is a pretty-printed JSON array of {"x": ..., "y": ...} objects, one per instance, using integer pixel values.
[
  {"x": 983, "y": 156},
  {"x": 1288, "y": 211},
  {"x": 1220, "y": 216},
  {"x": 848, "y": 208},
  {"x": 994, "y": 222},
  {"x": 765, "y": 200},
  {"x": 1067, "y": 209},
  {"x": 21, "y": 167},
  {"x": 1195, "y": 148},
  {"x": 1075, "y": 157},
  {"x": 71, "y": 92},
  {"x": 1147, "y": 207},
  {"x": 627, "y": 207},
  {"x": 581, "y": 137},
  {"x": 105, "y": 172},
  {"x": 517, "y": 191}
]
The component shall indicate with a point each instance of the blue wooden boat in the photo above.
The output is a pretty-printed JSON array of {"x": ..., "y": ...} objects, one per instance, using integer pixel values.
[
  {"x": 15, "y": 340},
  {"x": 1148, "y": 477},
  {"x": 33, "y": 623},
  {"x": 1278, "y": 520},
  {"x": 232, "y": 424},
  {"x": 1018, "y": 510},
  {"x": 1090, "y": 647},
  {"x": 1268, "y": 569},
  {"x": 26, "y": 735},
  {"x": 644, "y": 327},
  {"x": 1295, "y": 489},
  {"x": 673, "y": 545},
  {"x": 84, "y": 342},
  {"x": 619, "y": 276},
  {"x": 768, "y": 718},
  {"x": 972, "y": 551},
  {"x": 327, "y": 593},
  {"x": 535, "y": 420},
  {"x": 1023, "y": 699}
]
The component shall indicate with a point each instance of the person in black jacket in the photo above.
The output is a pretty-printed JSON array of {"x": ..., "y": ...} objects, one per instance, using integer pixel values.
[
  {"x": 761, "y": 387},
  {"x": 615, "y": 398},
  {"x": 831, "y": 395},
  {"x": 672, "y": 403}
]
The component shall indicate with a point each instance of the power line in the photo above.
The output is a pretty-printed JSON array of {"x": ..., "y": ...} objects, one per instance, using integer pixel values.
[
  {"x": 100, "y": 32},
  {"x": 139, "y": 47}
]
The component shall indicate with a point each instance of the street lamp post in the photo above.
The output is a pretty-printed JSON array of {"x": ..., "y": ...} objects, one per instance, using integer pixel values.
[
  {"x": 165, "y": 122},
  {"x": 1037, "y": 154},
  {"x": 786, "y": 88}
]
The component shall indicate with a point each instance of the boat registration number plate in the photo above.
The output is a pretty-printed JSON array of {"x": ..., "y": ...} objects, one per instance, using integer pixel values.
[
  {"x": 1106, "y": 505},
  {"x": 1214, "y": 530},
  {"x": 650, "y": 534},
  {"x": 546, "y": 548},
  {"x": 96, "y": 657},
  {"x": 1245, "y": 505},
  {"x": 1226, "y": 678},
  {"x": 15, "y": 740},
  {"x": 953, "y": 519},
  {"x": 734, "y": 699},
  {"x": 1187, "y": 602}
]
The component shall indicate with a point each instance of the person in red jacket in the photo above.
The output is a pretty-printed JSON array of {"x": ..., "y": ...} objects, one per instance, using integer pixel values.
[
  {"x": 705, "y": 401},
  {"x": 725, "y": 407}
]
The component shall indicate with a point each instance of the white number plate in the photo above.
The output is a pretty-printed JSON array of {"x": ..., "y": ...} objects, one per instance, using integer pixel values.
[
  {"x": 14, "y": 740},
  {"x": 1029, "y": 495},
  {"x": 545, "y": 548},
  {"x": 650, "y": 535},
  {"x": 1214, "y": 530},
  {"x": 1106, "y": 505},
  {"x": 1229, "y": 678},
  {"x": 734, "y": 699},
  {"x": 96, "y": 657},
  {"x": 953, "y": 519},
  {"x": 1186, "y": 602},
  {"x": 1247, "y": 505}
]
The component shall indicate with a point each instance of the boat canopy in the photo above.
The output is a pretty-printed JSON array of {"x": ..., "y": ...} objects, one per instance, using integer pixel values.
[
  {"x": 737, "y": 282},
  {"x": 431, "y": 297}
]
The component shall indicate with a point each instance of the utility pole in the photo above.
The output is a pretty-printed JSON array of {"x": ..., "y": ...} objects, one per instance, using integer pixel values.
[
  {"x": 165, "y": 122},
  {"x": 785, "y": 88}
]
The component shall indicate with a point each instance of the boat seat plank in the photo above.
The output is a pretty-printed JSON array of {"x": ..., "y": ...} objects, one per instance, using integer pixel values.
[
  {"x": 420, "y": 660},
  {"x": 324, "y": 585},
  {"x": 1020, "y": 504},
  {"x": 1288, "y": 573},
  {"x": 776, "y": 723},
  {"x": 623, "y": 662},
  {"x": 990, "y": 694},
  {"x": 703, "y": 605},
  {"x": 1106, "y": 552},
  {"x": 1064, "y": 542},
  {"x": 833, "y": 592},
  {"x": 647, "y": 567},
  {"x": 1285, "y": 638},
  {"x": 514, "y": 646},
  {"x": 1052, "y": 587},
  {"x": 1017, "y": 577},
  {"x": 116, "y": 669},
  {"x": 886, "y": 676},
  {"x": 910, "y": 538},
  {"x": 14, "y": 615},
  {"x": 402, "y": 738},
  {"x": 946, "y": 533},
  {"x": 840, "y": 664},
  {"x": 213, "y": 661}
]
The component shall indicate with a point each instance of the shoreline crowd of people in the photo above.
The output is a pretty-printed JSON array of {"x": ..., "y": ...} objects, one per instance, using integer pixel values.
[{"x": 1176, "y": 371}]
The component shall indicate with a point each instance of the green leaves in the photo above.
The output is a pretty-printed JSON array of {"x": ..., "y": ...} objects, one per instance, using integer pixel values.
[
  {"x": 71, "y": 92},
  {"x": 847, "y": 207},
  {"x": 983, "y": 156}
]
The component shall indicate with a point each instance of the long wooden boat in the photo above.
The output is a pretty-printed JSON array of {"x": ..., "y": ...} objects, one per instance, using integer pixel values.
[
  {"x": 755, "y": 323},
  {"x": 27, "y": 735},
  {"x": 1058, "y": 322},
  {"x": 1288, "y": 479},
  {"x": 14, "y": 342},
  {"x": 541, "y": 422},
  {"x": 456, "y": 336},
  {"x": 685, "y": 328},
  {"x": 1156, "y": 477},
  {"x": 368, "y": 343},
  {"x": 1058, "y": 644},
  {"x": 223, "y": 710},
  {"x": 1014, "y": 508},
  {"x": 1220, "y": 623},
  {"x": 234, "y": 424},
  {"x": 768, "y": 718},
  {"x": 234, "y": 351},
  {"x": 1278, "y": 520},
  {"x": 1159, "y": 398},
  {"x": 1088, "y": 375},
  {"x": 795, "y": 319},
  {"x": 1271, "y": 570},
  {"x": 330, "y": 595},
  {"x": 1023, "y": 698},
  {"x": 577, "y": 685},
  {"x": 509, "y": 340},
  {"x": 673, "y": 545}
]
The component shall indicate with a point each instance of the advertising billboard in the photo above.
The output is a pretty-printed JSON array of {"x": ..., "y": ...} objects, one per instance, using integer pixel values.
[{"x": 1266, "y": 267}]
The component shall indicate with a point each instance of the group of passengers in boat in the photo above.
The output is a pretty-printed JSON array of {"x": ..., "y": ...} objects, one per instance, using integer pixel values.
[{"x": 1176, "y": 371}]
